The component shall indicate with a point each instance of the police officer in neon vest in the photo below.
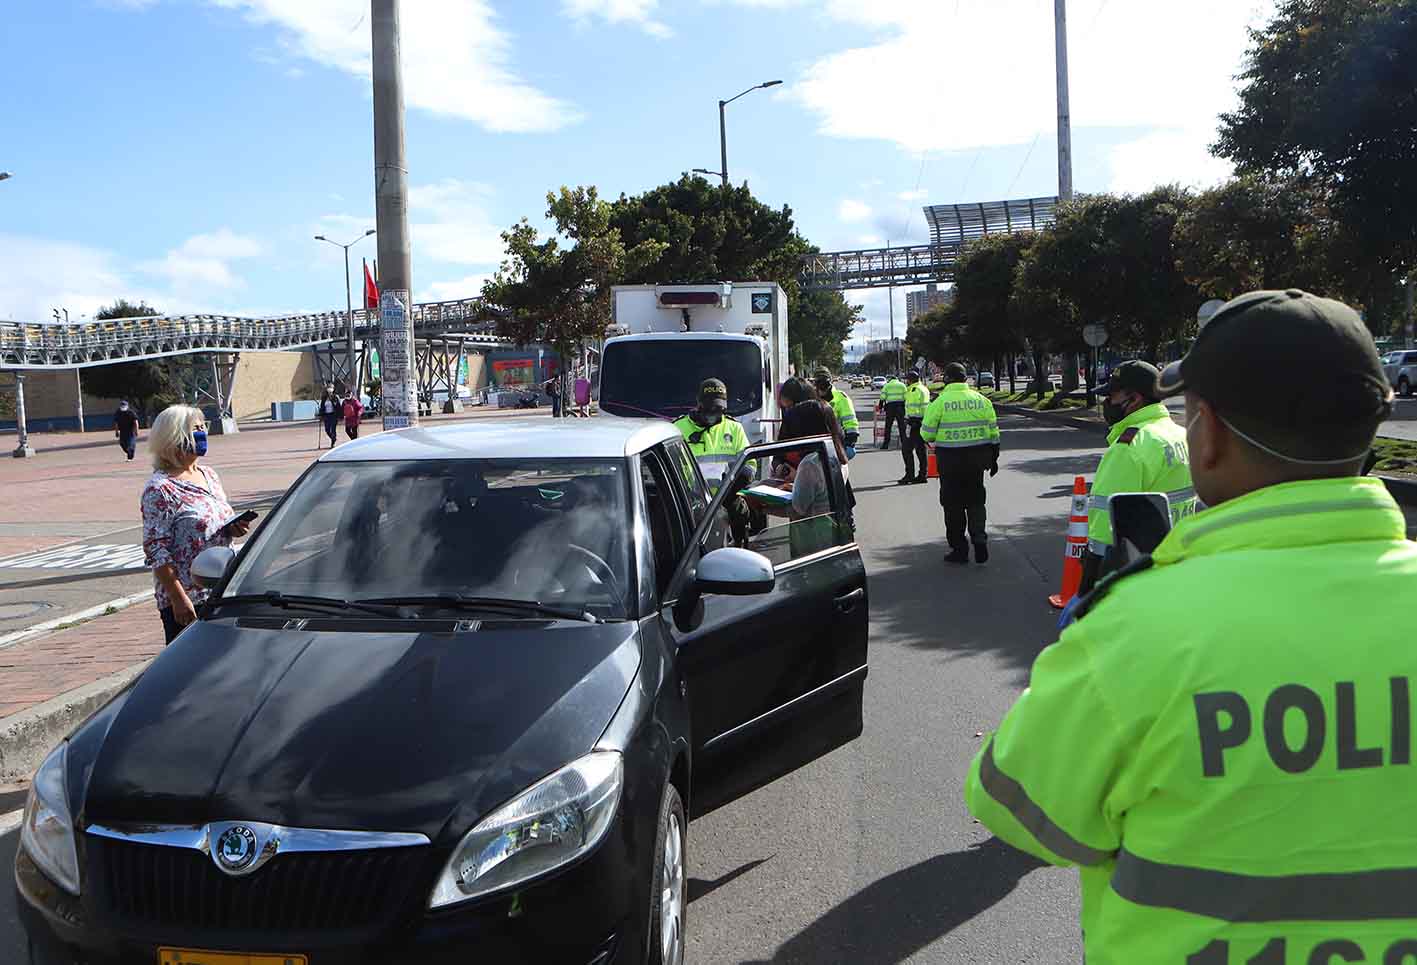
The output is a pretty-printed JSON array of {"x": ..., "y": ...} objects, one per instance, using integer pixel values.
[
  {"x": 963, "y": 428},
  {"x": 893, "y": 401},
  {"x": 711, "y": 431},
  {"x": 912, "y": 448},
  {"x": 1146, "y": 453},
  {"x": 1223, "y": 740},
  {"x": 842, "y": 405}
]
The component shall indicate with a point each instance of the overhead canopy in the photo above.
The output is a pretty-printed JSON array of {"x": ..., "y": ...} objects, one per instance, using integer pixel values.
[{"x": 960, "y": 223}]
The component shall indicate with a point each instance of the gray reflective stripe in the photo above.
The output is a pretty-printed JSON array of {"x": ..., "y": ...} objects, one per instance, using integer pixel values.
[
  {"x": 1180, "y": 495},
  {"x": 1382, "y": 894},
  {"x": 1098, "y": 547},
  {"x": 965, "y": 425},
  {"x": 1015, "y": 799},
  {"x": 1211, "y": 523},
  {"x": 1097, "y": 502}
]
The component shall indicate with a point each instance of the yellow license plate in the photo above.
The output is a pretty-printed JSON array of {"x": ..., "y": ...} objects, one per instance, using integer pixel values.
[{"x": 196, "y": 956}]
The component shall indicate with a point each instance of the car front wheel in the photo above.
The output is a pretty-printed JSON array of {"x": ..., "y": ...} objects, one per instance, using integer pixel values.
[
  {"x": 1404, "y": 387},
  {"x": 668, "y": 888}
]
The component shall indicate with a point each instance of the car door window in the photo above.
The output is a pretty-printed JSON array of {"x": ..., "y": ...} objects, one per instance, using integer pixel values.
[
  {"x": 683, "y": 460},
  {"x": 813, "y": 522},
  {"x": 662, "y": 513}
]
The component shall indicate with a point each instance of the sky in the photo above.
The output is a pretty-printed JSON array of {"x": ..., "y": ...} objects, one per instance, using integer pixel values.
[{"x": 186, "y": 152}]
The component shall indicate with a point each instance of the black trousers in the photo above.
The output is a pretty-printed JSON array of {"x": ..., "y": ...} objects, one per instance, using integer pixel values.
[
  {"x": 962, "y": 497},
  {"x": 913, "y": 447},
  {"x": 895, "y": 413},
  {"x": 331, "y": 425}
]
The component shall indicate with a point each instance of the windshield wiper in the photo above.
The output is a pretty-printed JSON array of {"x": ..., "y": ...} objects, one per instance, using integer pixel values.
[
  {"x": 286, "y": 601},
  {"x": 457, "y": 601}
]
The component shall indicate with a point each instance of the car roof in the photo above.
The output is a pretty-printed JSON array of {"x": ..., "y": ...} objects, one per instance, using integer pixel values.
[{"x": 605, "y": 437}]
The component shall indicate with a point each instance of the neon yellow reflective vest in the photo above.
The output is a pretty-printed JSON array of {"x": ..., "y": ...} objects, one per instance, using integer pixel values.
[
  {"x": 917, "y": 397},
  {"x": 845, "y": 411},
  {"x": 893, "y": 391},
  {"x": 1224, "y": 743},
  {"x": 960, "y": 417},
  {"x": 1146, "y": 453},
  {"x": 726, "y": 438}
]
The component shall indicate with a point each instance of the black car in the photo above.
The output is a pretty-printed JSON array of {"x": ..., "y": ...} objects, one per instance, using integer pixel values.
[{"x": 454, "y": 702}]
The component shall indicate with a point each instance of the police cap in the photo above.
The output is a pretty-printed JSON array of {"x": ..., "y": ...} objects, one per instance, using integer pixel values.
[
  {"x": 1295, "y": 373},
  {"x": 955, "y": 372},
  {"x": 713, "y": 394},
  {"x": 1136, "y": 376}
]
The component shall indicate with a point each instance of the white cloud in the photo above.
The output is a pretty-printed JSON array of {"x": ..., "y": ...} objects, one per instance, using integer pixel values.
[
  {"x": 1164, "y": 156},
  {"x": 852, "y": 211},
  {"x": 201, "y": 262},
  {"x": 870, "y": 241},
  {"x": 1116, "y": 80},
  {"x": 456, "y": 60},
  {"x": 449, "y": 222},
  {"x": 917, "y": 195},
  {"x": 637, "y": 12},
  {"x": 445, "y": 291}
]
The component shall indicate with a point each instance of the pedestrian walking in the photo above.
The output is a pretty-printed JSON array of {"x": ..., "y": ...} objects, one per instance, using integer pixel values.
[
  {"x": 329, "y": 411},
  {"x": 893, "y": 402},
  {"x": 963, "y": 428},
  {"x": 352, "y": 411},
  {"x": 184, "y": 511},
  {"x": 912, "y": 443},
  {"x": 1146, "y": 452},
  {"x": 1222, "y": 740},
  {"x": 125, "y": 428},
  {"x": 553, "y": 389}
]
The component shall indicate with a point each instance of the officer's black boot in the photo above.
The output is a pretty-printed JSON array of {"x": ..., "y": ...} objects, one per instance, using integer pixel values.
[
  {"x": 958, "y": 556},
  {"x": 981, "y": 552}
]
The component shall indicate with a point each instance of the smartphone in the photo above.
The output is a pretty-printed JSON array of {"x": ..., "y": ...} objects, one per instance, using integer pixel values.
[
  {"x": 244, "y": 518},
  {"x": 1140, "y": 521}
]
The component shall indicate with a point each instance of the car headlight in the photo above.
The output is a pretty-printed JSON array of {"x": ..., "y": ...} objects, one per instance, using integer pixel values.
[
  {"x": 554, "y": 821},
  {"x": 47, "y": 833}
]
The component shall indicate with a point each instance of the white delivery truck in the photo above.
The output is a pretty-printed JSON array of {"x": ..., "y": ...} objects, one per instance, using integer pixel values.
[{"x": 666, "y": 339}]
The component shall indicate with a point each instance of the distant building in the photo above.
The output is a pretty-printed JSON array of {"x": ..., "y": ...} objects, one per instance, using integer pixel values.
[
  {"x": 918, "y": 303},
  {"x": 884, "y": 344}
]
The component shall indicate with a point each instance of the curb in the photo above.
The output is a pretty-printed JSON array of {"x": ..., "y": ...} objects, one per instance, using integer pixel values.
[
  {"x": 26, "y": 737},
  {"x": 1402, "y": 490},
  {"x": 29, "y": 633}
]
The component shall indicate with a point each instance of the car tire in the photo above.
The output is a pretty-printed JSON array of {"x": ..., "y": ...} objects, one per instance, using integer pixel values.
[
  {"x": 1404, "y": 388},
  {"x": 668, "y": 896}
]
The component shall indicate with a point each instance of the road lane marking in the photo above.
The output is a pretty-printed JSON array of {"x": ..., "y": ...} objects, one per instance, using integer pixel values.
[{"x": 102, "y": 556}]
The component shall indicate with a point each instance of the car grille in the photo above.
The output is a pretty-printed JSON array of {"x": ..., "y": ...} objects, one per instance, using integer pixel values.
[{"x": 146, "y": 884}]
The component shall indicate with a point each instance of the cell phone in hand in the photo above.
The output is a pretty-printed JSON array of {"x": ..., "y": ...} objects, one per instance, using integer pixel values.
[{"x": 244, "y": 519}]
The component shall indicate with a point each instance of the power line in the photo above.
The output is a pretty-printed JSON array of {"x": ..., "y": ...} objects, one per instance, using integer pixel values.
[{"x": 1010, "y": 192}]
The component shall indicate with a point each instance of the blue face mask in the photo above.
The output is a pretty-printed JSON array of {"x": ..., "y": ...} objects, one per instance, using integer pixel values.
[{"x": 199, "y": 441}]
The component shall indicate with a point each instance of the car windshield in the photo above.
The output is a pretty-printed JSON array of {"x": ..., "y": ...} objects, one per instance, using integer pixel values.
[
  {"x": 548, "y": 531},
  {"x": 662, "y": 376}
]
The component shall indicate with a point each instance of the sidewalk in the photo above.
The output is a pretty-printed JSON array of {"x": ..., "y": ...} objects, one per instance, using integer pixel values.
[{"x": 51, "y": 683}]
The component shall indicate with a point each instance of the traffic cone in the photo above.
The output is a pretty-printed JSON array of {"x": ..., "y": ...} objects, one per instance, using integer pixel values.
[
  {"x": 1075, "y": 546},
  {"x": 932, "y": 468}
]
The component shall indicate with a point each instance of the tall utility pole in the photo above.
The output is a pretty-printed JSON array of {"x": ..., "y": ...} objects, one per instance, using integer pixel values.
[
  {"x": 400, "y": 389},
  {"x": 890, "y": 299},
  {"x": 1065, "y": 120},
  {"x": 351, "y": 376},
  {"x": 723, "y": 127}
]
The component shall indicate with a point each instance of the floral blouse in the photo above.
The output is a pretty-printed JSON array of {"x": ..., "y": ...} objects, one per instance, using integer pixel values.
[{"x": 180, "y": 519}]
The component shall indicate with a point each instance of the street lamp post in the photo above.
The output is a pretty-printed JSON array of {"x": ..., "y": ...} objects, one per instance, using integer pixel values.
[
  {"x": 350, "y": 374},
  {"x": 723, "y": 127}
]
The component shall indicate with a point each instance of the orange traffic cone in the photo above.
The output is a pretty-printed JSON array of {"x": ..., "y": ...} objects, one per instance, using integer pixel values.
[
  {"x": 1075, "y": 546},
  {"x": 932, "y": 468}
]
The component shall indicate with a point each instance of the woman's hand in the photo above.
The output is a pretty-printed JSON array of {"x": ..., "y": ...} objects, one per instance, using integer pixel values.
[
  {"x": 238, "y": 528},
  {"x": 182, "y": 609}
]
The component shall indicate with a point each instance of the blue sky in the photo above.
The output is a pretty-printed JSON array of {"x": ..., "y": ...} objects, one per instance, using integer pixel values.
[{"x": 186, "y": 151}]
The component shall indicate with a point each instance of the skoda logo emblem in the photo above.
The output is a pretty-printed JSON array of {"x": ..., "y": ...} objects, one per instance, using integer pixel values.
[{"x": 236, "y": 848}]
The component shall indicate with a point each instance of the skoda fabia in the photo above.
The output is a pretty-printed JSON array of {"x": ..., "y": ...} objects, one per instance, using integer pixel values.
[{"x": 454, "y": 701}]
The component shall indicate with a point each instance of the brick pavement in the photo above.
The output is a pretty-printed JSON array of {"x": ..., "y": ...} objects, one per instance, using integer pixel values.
[{"x": 35, "y": 671}]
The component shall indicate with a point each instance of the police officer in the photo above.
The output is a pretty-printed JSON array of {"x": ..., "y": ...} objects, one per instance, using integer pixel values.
[
  {"x": 1223, "y": 741},
  {"x": 841, "y": 404},
  {"x": 912, "y": 449},
  {"x": 711, "y": 431},
  {"x": 1146, "y": 453},
  {"x": 893, "y": 400},
  {"x": 963, "y": 428}
]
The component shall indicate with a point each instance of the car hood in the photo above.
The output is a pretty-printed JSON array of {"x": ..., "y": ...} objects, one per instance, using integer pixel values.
[{"x": 392, "y": 731}]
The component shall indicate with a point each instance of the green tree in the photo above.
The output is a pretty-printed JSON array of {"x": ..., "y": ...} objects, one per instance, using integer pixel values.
[
  {"x": 1329, "y": 94},
  {"x": 935, "y": 335},
  {"x": 148, "y": 384},
  {"x": 984, "y": 284},
  {"x": 822, "y": 321},
  {"x": 557, "y": 290}
]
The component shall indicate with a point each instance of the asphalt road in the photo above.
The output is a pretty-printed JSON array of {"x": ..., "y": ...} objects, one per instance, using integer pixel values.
[{"x": 868, "y": 856}]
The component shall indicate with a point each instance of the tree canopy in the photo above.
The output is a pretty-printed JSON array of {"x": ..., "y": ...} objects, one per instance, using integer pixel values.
[{"x": 148, "y": 384}]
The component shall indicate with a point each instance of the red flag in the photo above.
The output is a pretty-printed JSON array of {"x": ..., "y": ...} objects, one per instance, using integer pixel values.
[{"x": 371, "y": 290}]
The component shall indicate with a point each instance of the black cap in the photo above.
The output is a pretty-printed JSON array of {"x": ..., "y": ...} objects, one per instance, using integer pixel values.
[
  {"x": 912, "y": 376},
  {"x": 955, "y": 372},
  {"x": 1295, "y": 373},
  {"x": 1136, "y": 376},
  {"x": 713, "y": 393}
]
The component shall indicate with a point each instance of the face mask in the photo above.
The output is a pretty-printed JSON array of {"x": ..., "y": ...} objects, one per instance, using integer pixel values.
[
  {"x": 199, "y": 441},
  {"x": 1113, "y": 413},
  {"x": 707, "y": 418}
]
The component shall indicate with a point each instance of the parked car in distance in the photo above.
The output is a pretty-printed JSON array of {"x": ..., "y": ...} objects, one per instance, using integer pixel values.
[
  {"x": 1401, "y": 369},
  {"x": 985, "y": 380},
  {"x": 878, "y": 382},
  {"x": 453, "y": 701}
]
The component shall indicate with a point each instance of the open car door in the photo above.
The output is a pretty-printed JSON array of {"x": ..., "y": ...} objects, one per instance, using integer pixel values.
[{"x": 773, "y": 670}]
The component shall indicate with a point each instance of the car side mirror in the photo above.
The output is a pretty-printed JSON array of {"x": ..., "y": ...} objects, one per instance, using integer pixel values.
[
  {"x": 735, "y": 572},
  {"x": 210, "y": 566}
]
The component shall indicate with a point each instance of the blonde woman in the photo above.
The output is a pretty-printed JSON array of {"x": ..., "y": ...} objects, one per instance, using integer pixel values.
[{"x": 184, "y": 512}]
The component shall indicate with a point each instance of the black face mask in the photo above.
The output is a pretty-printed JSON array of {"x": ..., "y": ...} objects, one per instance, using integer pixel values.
[
  {"x": 1113, "y": 413},
  {"x": 708, "y": 418}
]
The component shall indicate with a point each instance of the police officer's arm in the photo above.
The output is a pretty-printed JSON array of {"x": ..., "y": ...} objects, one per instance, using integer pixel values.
[
  {"x": 930, "y": 425},
  {"x": 1045, "y": 781}
]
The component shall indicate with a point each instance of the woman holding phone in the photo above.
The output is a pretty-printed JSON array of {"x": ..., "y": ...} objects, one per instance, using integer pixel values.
[{"x": 184, "y": 512}]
